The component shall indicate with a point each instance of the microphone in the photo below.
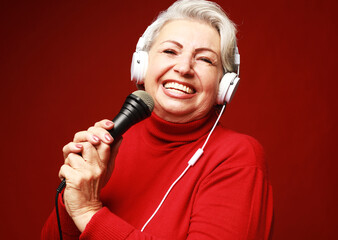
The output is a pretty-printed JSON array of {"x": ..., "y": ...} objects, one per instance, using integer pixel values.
[{"x": 136, "y": 107}]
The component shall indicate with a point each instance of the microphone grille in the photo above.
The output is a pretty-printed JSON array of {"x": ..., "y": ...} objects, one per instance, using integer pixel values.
[{"x": 146, "y": 98}]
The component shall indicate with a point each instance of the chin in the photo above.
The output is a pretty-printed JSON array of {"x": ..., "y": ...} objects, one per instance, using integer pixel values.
[{"x": 180, "y": 116}]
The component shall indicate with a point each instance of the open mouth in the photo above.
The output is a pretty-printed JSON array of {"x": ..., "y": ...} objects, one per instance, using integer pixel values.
[{"x": 175, "y": 86}]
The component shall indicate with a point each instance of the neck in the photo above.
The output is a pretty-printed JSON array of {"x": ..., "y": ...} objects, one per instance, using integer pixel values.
[
  {"x": 163, "y": 130},
  {"x": 176, "y": 118}
]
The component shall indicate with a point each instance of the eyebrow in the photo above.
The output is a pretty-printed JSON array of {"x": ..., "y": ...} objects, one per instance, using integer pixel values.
[
  {"x": 197, "y": 49},
  {"x": 172, "y": 41}
]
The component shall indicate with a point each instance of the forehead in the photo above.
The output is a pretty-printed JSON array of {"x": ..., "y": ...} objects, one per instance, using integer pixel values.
[{"x": 190, "y": 33}]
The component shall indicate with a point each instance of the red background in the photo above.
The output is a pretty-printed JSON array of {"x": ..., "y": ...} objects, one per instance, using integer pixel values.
[{"x": 65, "y": 65}]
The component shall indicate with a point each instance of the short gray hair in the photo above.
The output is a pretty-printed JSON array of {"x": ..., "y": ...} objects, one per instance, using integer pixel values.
[{"x": 205, "y": 11}]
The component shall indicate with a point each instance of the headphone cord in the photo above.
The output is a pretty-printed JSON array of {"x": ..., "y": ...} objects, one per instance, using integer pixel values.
[
  {"x": 58, "y": 191},
  {"x": 191, "y": 163}
]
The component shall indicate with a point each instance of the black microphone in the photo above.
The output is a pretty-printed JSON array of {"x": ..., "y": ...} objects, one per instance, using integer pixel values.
[{"x": 136, "y": 107}]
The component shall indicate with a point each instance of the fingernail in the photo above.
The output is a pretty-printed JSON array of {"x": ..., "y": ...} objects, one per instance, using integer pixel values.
[
  {"x": 109, "y": 123},
  {"x": 78, "y": 146},
  {"x": 96, "y": 139},
  {"x": 108, "y": 137}
]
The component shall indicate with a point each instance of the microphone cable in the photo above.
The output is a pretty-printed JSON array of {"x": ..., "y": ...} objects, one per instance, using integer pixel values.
[{"x": 58, "y": 191}]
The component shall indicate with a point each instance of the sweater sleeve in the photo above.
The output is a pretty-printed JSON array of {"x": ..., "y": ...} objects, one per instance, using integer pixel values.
[
  {"x": 234, "y": 201},
  {"x": 51, "y": 231},
  {"x": 105, "y": 225}
]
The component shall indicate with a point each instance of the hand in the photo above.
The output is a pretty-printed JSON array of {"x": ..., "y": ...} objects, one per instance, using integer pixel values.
[{"x": 89, "y": 162}]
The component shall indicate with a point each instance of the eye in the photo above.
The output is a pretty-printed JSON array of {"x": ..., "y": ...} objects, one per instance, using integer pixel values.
[
  {"x": 207, "y": 60},
  {"x": 170, "y": 51}
]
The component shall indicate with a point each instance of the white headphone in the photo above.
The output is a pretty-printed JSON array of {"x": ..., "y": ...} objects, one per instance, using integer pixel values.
[{"x": 227, "y": 87}]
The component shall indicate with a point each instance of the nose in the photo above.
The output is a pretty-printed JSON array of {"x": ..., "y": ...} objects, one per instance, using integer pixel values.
[{"x": 184, "y": 65}]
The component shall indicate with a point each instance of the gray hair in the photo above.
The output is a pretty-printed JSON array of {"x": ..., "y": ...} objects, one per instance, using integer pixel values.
[{"x": 205, "y": 11}]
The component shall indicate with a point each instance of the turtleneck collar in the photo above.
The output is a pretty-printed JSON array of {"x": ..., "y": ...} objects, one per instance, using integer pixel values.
[{"x": 164, "y": 131}]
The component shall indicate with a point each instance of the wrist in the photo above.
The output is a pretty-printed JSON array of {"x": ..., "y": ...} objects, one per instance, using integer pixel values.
[{"x": 84, "y": 218}]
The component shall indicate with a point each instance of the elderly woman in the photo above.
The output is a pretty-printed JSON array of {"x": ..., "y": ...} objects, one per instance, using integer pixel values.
[{"x": 142, "y": 187}]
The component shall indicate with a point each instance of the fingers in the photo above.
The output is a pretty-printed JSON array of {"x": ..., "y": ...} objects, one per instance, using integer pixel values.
[
  {"x": 90, "y": 154},
  {"x": 105, "y": 123},
  {"x": 66, "y": 171},
  {"x": 75, "y": 161},
  {"x": 95, "y": 134},
  {"x": 89, "y": 162},
  {"x": 79, "y": 180},
  {"x": 101, "y": 133},
  {"x": 92, "y": 135},
  {"x": 71, "y": 148},
  {"x": 99, "y": 154},
  {"x": 101, "y": 129},
  {"x": 92, "y": 146}
]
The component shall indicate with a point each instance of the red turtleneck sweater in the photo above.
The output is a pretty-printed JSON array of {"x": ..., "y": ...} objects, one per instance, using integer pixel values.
[{"x": 225, "y": 195}]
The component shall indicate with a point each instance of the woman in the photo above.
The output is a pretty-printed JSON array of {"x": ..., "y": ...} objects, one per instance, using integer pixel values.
[{"x": 121, "y": 192}]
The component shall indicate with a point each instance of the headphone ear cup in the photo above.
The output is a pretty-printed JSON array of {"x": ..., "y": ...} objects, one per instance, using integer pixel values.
[
  {"x": 139, "y": 65},
  {"x": 227, "y": 88},
  {"x": 232, "y": 89}
]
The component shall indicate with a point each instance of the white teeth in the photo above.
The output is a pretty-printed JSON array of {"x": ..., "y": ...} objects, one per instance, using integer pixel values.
[{"x": 178, "y": 86}]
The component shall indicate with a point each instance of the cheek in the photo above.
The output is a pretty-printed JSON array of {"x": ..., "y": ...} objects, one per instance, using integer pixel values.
[
  {"x": 211, "y": 91},
  {"x": 150, "y": 78},
  {"x": 211, "y": 84},
  {"x": 157, "y": 68},
  {"x": 153, "y": 71},
  {"x": 213, "y": 95},
  {"x": 151, "y": 83}
]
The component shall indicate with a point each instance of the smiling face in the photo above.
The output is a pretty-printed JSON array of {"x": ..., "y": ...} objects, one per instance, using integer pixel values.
[{"x": 184, "y": 70}]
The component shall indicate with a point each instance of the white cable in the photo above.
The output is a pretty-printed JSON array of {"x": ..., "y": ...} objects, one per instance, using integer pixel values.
[
  {"x": 191, "y": 162},
  {"x": 213, "y": 128},
  {"x": 165, "y": 196}
]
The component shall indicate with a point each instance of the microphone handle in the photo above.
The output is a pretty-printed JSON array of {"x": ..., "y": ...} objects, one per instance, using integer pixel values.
[{"x": 133, "y": 111}]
